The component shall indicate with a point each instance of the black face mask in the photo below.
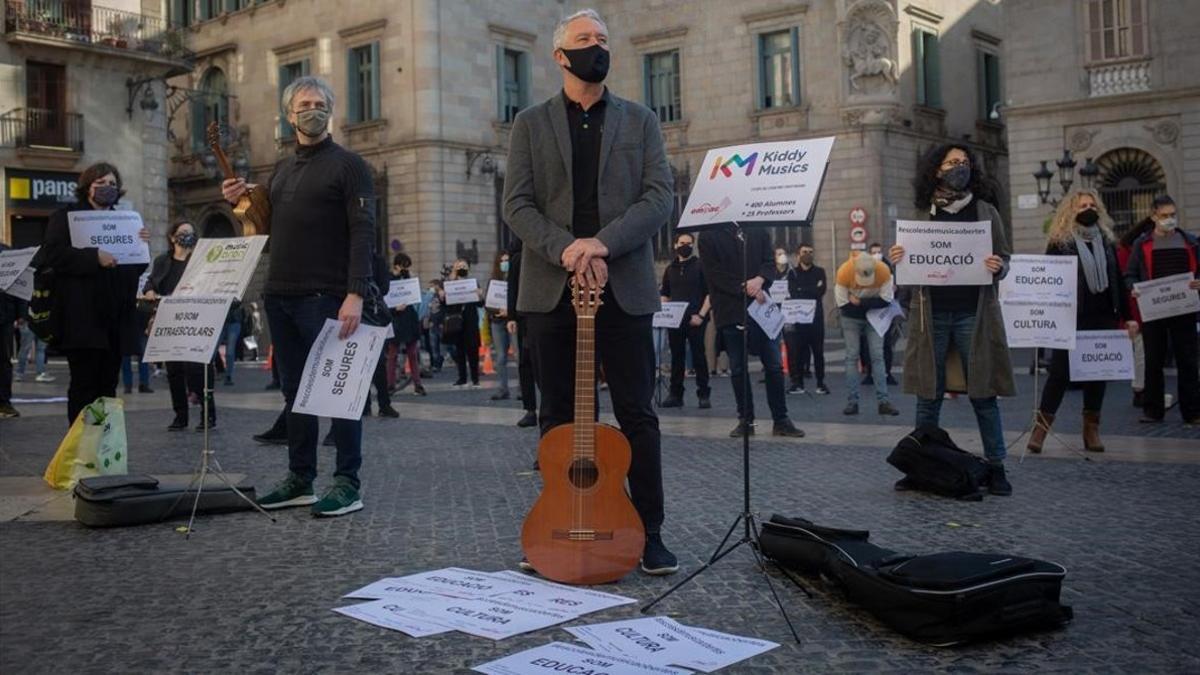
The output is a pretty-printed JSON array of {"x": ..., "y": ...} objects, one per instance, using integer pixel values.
[
  {"x": 1087, "y": 217},
  {"x": 684, "y": 251},
  {"x": 462, "y": 273},
  {"x": 957, "y": 178},
  {"x": 589, "y": 64}
]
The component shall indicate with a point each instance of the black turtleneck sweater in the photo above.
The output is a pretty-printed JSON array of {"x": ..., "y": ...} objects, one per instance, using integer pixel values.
[
  {"x": 322, "y": 222},
  {"x": 683, "y": 281}
]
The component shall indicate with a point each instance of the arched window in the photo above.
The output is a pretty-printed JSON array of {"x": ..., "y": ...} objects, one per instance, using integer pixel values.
[
  {"x": 210, "y": 105},
  {"x": 1129, "y": 180}
]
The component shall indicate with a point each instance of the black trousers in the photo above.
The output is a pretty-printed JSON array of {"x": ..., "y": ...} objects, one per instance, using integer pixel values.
[
  {"x": 1058, "y": 380},
  {"x": 94, "y": 373},
  {"x": 185, "y": 376},
  {"x": 1177, "y": 333},
  {"x": 807, "y": 340},
  {"x": 6, "y": 354},
  {"x": 466, "y": 352},
  {"x": 679, "y": 339},
  {"x": 379, "y": 379},
  {"x": 525, "y": 373},
  {"x": 625, "y": 349}
]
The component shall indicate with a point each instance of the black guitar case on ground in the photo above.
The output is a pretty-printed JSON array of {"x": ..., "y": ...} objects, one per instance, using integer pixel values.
[
  {"x": 940, "y": 599},
  {"x": 931, "y": 462},
  {"x": 116, "y": 501}
]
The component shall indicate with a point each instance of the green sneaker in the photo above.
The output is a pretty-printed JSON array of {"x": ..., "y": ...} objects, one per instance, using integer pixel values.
[
  {"x": 291, "y": 491},
  {"x": 339, "y": 500}
]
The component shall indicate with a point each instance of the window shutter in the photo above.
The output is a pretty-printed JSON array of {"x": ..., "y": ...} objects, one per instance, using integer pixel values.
[
  {"x": 526, "y": 80},
  {"x": 981, "y": 83},
  {"x": 647, "y": 87},
  {"x": 762, "y": 73},
  {"x": 918, "y": 59},
  {"x": 933, "y": 76},
  {"x": 376, "y": 74},
  {"x": 993, "y": 81},
  {"x": 795, "y": 93},
  {"x": 354, "y": 111},
  {"x": 500, "y": 83},
  {"x": 304, "y": 67},
  {"x": 285, "y": 129}
]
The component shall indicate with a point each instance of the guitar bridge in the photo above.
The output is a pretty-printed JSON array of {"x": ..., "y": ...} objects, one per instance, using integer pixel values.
[{"x": 582, "y": 535}]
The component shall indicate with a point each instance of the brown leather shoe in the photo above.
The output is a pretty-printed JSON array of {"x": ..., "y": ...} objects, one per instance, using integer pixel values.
[
  {"x": 1091, "y": 431},
  {"x": 1041, "y": 427}
]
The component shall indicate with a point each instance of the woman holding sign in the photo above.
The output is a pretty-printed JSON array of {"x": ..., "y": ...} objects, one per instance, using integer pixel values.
[
  {"x": 1082, "y": 228},
  {"x": 93, "y": 316},
  {"x": 462, "y": 328},
  {"x": 501, "y": 338},
  {"x": 952, "y": 190}
]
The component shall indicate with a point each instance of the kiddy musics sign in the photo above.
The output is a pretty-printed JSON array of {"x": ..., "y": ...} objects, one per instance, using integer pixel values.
[
  {"x": 221, "y": 266},
  {"x": 760, "y": 182}
]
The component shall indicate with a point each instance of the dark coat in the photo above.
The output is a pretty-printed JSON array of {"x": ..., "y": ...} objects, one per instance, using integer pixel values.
[{"x": 96, "y": 306}]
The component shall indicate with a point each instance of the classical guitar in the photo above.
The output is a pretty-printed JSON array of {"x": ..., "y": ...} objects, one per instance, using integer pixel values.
[
  {"x": 583, "y": 528},
  {"x": 254, "y": 207}
]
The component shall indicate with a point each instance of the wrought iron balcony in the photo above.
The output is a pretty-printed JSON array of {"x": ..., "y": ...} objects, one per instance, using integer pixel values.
[
  {"x": 39, "y": 128},
  {"x": 82, "y": 23}
]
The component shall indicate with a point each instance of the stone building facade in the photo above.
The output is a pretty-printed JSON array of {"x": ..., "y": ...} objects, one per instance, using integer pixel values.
[
  {"x": 887, "y": 77},
  {"x": 1114, "y": 83},
  {"x": 82, "y": 83}
]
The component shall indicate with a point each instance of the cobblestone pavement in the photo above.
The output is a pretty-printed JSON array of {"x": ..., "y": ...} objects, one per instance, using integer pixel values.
[{"x": 449, "y": 484}]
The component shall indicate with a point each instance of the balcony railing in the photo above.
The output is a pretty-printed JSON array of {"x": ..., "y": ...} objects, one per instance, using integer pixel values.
[
  {"x": 1126, "y": 77},
  {"x": 41, "y": 128},
  {"x": 80, "y": 21}
]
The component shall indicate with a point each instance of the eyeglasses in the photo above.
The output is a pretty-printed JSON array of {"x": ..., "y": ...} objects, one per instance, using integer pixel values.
[{"x": 956, "y": 162}]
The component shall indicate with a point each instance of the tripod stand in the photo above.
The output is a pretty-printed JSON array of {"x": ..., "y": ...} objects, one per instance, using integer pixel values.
[
  {"x": 210, "y": 465},
  {"x": 746, "y": 517},
  {"x": 1037, "y": 416}
]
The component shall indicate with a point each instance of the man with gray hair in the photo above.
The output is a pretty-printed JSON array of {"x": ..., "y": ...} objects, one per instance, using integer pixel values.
[
  {"x": 586, "y": 189},
  {"x": 322, "y": 234}
]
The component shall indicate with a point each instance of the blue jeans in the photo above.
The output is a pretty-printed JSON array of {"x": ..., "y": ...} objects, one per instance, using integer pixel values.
[
  {"x": 772, "y": 361},
  {"x": 959, "y": 326},
  {"x": 501, "y": 341},
  {"x": 127, "y": 367},
  {"x": 30, "y": 342},
  {"x": 232, "y": 333},
  {"x": 853, "y": 329},
  {"x": 295, "y": 321}
]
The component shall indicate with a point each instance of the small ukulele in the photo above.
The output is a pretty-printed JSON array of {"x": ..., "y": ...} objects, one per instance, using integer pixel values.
[
  {"x": 254, "y": 207},
  {"x": 583, "y": 528}
]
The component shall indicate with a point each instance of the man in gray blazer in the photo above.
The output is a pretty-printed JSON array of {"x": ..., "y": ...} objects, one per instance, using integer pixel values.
[{"x": 586, "y": 188}]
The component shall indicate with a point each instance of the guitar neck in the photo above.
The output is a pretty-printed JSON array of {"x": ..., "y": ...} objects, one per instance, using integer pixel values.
[
  {"x": 585, "y": 386},
  {"x": 223, "y": 161}
]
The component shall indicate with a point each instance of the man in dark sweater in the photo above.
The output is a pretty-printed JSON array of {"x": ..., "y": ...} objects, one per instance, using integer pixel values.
[
  {"x": 806, "y": 281},
  {"x": 730, "y": 294},
  {"x": 1164, "y": 251},
  {"x": 322, "y": 234},
  {"x": 683, "y": 281}
]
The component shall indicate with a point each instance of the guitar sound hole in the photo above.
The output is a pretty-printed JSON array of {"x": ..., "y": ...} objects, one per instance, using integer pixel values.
[{"x": 583, "y": 473}]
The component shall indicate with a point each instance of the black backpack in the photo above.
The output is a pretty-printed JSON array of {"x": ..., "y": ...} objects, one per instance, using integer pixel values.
[
  {"x": 44, "y": 322},
  {"x": 933, "y": 463}
]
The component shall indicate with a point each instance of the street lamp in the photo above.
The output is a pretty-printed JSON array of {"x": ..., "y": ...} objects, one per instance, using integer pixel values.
[
  {"x": 1043, "y": 177},
  {"x": 1066, "y": 171},
  {"x": 1066, "y": 176},
  {"x": 1088, "y": 173}
]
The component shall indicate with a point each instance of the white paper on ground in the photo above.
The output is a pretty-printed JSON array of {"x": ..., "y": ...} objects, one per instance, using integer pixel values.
[
  {"x": 482, "y": 617},
  {"x": 116, "y": 232},
  {"x": 664, "y": 641},
  {"x": 768, "y": 316},
  {"x": 549, "y": 595},
  {"x": 388, "y": 614},
  {"x": 461, "y": 583},
  {"x": 403, "y": 292},
  {"x": 337, "y": 373},
  {"x": 385, "y": 588},
  {"x": 559, "y": 657},
  {"x": 670, "y": 316}
]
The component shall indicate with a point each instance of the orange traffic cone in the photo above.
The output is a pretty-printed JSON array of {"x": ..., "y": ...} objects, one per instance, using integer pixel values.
[
  {"x": 783, "y": 355},
  {"x": 270, "y": 358},
  {"x": 486, "y": 356}
]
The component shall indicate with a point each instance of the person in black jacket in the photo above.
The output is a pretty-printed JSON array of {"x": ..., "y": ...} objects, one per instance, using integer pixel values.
[
  {"x": 406, "y": 323},
  {"x": 383, "y": 279},
  {"x": 11, "y": 309},
  {"x": 94, "y": 298},
  {"x": 683, "y": 281},
  {"x": 182, "y": 376},
  {"x": 721, "y": 253},
  {"x": 466, "y": 338},
  {"x": 1082, "y": 228},
  {"x": 807, "y": 281},
  {"x": 516, "y": 326}
]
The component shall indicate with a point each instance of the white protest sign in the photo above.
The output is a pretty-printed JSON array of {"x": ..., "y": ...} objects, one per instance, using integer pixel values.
[
  {"x": 881, "y": 319},
  {"x": 141, "y": 284},
  {"x": 670, "y": 316},
  {"x": 403, "y": 292},
  {"x": 497, "y": 295},
  {"x": 384, "y": 588},
  {"x": 116, "y": 232},
  {"x": 186, "y": 328},
  {"x": 221, "y": 266},
  {"x": 462, "y": 583},
  {"x": 22, "y": 287},
  {"x": 559, "y": 657},
  {"x": 389, "y": 614},
  {"x": 778, "y": 293},
  {"x": 664, "y": 641},
  {"x": 548, "y": 595},
  {"x": 13, "y": 264},
  {"x": 1039, "y": 323},
  {"x": 768, "y": 316},
  {"x": 483, "y": 617},
  {"x": 462, "y": 291},
  {"x": 799, "y": 310},
  {"x": 1168, "y": 296},
  {"x": 1101, "y": 355},
  {"x": 757, "y": 182},
  {"x": 943, "y": 253},
  {"x": 1040, "y": 277},
  {"x": 337, "y": 373}
]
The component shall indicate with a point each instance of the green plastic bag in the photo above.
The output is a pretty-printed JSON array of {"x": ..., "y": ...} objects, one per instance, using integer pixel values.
[{"x": 95, "y": 445}]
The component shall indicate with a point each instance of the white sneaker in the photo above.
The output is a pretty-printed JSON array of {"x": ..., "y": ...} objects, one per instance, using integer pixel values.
[{"x": 45, "y": 377}]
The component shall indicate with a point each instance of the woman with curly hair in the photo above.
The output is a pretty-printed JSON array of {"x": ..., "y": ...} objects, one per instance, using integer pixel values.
[
  {"x": 1082, "y": 228},
  {"x": 951, "y": 188}
]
